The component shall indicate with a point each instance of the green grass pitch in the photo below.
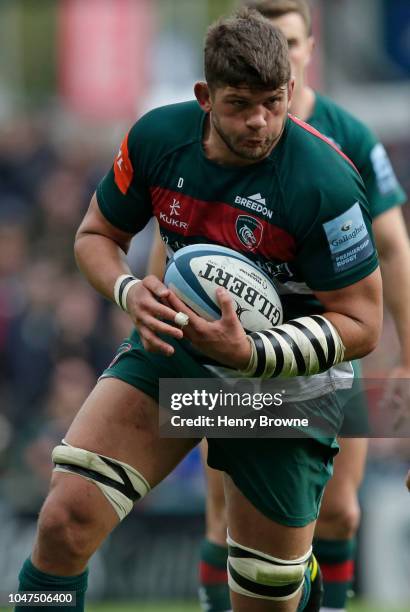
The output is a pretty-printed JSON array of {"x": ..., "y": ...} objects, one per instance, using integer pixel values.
[{"x": 194, "y": 607}]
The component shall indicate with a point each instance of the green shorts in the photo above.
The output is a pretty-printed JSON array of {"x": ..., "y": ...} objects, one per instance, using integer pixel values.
[{"x": 284, "y": 478}]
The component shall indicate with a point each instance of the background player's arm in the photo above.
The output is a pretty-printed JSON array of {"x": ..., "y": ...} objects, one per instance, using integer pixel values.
[
  {"x": 157, "y": 257},
  {"x": 385, "y": 197},
  {"x": 394, "y": 255},
  {"x": 100, "y": 250}
]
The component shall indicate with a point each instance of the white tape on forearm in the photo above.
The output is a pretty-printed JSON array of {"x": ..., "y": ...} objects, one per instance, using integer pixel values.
[{"x": 301, "y": 347}]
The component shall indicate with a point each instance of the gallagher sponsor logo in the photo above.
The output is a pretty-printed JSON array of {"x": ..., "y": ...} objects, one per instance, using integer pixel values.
[{"x": 351, "y": 236}]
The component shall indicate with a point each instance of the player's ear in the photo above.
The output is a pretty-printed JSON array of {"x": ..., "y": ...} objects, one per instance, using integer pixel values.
[
  {"x": 291, "y": 87},
  {"x": 311, "y": 42},
  {"x": 203, "y": 95}
]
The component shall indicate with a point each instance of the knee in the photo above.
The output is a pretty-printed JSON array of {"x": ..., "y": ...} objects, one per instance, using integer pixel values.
[
  {"x": 256, "y": 574},
  {"x": 341, "y": 521},
  {"x": 216, "y": 522},
  {"x": 66, "y": 528},
  {"x": 347, "y": 521},
  {"x": 216, "y": 530}
]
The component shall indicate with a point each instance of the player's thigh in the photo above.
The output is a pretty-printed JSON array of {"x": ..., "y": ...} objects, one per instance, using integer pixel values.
[
  {"x": 250, "y": 527},
  {"x": 121, "y": 422},
  {"x": 120, "y": 419},
  {"x": 284, "y": 478}
]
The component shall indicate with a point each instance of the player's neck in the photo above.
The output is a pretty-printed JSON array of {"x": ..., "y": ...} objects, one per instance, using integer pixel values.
[{"x": 303, "y": 102}]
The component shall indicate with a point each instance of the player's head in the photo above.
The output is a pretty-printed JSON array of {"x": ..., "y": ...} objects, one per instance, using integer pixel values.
[
  {"x": 294, "y": 19},
  {"x": 248, "y": 83}
]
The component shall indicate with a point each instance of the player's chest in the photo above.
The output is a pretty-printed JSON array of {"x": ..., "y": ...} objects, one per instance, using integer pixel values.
[{"x": 239, "y": 209}]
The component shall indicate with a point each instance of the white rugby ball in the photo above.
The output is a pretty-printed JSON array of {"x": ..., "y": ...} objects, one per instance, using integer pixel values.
[{"x": 195, "y": 272}]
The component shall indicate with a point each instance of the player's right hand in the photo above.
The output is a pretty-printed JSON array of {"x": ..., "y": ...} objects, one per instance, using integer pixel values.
[{"x": 149, "y": 313}]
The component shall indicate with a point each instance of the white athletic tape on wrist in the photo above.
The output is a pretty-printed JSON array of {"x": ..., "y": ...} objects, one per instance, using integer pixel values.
[
  {"x": 259, "y": 575},
  {"x": 125, "y": 293},
  {"x": 121, "y": 287},
  {"x": 300, "y": 347},
  {"x": 121, "y": 484}
]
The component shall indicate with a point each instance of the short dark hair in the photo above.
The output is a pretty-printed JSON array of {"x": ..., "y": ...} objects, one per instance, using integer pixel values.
[
  {"x": 246, "y": 49},
  {"x": 271, "y": 9}
]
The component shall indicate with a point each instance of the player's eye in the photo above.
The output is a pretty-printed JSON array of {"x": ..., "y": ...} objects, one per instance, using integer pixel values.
[{"x": 273, "y": 102}]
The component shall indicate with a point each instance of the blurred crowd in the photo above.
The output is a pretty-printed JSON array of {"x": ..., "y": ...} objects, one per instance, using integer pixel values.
[{"x": 56, "y": 333}]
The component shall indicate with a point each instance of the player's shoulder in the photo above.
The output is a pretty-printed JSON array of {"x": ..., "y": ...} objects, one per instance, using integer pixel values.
[
  {"x": 313, "y": 170},
  {"x": 314, "y": 152},
  {"x": 168, "y": 126},
  {"x": 345, "y": 127}
]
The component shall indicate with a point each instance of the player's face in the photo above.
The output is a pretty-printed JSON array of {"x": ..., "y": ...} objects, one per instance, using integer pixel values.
[
  {"x": 300, "y": 43},
  {"x": 249, "y": 122}
]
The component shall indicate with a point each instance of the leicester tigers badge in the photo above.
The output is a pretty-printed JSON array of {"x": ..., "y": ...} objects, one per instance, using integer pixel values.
[{"x": 249, "y": 231}]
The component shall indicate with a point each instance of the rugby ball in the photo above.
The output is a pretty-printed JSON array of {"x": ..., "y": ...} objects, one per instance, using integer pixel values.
[{"x": 195, "y": 272}]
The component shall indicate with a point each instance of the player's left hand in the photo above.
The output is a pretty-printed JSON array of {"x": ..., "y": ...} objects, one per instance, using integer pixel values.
[
  {"x": 396, "y": 397},
  {"x": 223, "y": 340}
]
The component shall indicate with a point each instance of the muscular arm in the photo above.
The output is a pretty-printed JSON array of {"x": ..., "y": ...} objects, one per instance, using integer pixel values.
[
  {"x": 357, "y": 313},
  {"x": 100, "y": 250},
  {"x": 394, "y": 253}
]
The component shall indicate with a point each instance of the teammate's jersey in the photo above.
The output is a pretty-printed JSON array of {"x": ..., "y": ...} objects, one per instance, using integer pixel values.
[
  {"x": 363, "y": 148},
  {"x": 301, "y": 213}
]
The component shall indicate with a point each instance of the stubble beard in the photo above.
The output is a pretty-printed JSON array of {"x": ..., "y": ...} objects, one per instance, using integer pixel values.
[{"x": 247, "y": 153}]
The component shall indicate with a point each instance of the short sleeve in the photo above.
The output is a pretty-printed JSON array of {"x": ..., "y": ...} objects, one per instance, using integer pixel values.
[
  {"x": 339, "y": 249},
  {"x": 383, "y": 189},
  {"x": 123, "y": 194}
]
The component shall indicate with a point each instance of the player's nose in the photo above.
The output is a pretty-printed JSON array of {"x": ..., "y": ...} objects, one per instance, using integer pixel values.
[{"x": 256, "y": 120}]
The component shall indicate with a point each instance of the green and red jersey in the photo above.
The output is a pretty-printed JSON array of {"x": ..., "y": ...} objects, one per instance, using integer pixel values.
[{"x": 301, "y": 213}]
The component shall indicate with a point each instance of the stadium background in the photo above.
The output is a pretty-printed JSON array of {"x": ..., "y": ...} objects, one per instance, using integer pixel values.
[{"x": 74, "y": 75}]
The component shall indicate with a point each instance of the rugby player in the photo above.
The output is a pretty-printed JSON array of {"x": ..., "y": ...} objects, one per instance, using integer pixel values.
[
  {"x": 335, "y": 541},
  {"x": 195, "y": 159}
]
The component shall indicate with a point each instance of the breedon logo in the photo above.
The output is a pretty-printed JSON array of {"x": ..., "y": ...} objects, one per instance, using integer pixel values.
[{"x": 255, "y": 202}]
